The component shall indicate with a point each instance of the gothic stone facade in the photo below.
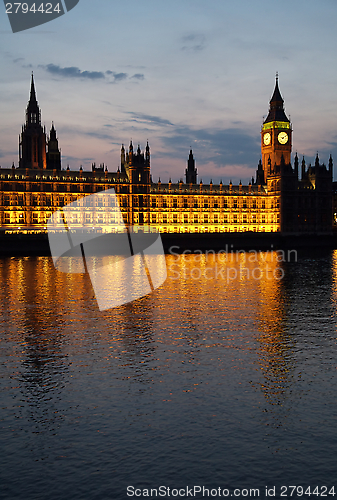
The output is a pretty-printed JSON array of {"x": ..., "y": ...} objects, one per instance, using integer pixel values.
[{"x": 276, "y": 201}]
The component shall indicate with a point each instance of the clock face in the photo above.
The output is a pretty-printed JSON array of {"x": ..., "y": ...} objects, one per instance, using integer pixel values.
[
  {"x": 266, "y": 139},
  {"x": 282, "y": 138}
]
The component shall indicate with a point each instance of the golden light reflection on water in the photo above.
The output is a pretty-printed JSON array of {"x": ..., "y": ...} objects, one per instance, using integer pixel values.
[
  {"x": 242, "y": 292},
  {"x": 217, "y": 302}
]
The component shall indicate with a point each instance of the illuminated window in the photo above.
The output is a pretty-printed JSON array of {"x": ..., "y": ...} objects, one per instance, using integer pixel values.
[{"x": 185, "y": 218}]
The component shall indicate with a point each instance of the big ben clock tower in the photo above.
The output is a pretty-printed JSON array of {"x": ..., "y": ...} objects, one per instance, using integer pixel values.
[{"x": 275, "y": 134}]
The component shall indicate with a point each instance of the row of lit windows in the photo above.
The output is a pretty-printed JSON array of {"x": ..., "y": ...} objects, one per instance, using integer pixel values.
[
  {"x": 208, "y": 218},
  {"x": 88, "y": 218},
  {"x": 217, "y": 229},
  {"x": 36, "y": 199},
  {"x": 207, "y": 202}
]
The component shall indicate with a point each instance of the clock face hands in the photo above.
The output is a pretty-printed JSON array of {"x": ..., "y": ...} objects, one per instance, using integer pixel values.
[
  {"x": 282, "y": 138},
  {"x": 267, "y": 138}
]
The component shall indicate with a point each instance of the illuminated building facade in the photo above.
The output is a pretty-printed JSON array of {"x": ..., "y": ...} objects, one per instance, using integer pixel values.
[{"x": 277, "y": 201}]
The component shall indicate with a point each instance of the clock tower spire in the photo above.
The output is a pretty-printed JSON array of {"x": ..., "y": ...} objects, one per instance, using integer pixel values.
[{"x": 275, "y": 134}]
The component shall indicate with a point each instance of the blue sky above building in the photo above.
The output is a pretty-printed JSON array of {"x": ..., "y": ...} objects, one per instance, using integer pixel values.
[{"x": 181, "y": 74}]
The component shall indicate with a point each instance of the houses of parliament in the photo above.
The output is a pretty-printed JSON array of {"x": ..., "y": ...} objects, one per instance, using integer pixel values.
[{"x": 277, "y": 200}]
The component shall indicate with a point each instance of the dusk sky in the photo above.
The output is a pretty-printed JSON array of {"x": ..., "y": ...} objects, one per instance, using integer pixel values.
[{"x": 187, "y": 73}]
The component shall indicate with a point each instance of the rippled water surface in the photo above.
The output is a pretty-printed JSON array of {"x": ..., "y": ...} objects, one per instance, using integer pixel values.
[{"x": 221, "y": 377}]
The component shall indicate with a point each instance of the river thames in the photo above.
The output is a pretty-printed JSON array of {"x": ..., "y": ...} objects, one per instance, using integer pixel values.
[{"x": 224, "y": 378}]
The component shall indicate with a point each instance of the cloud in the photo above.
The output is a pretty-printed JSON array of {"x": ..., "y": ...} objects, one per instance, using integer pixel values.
[
  {"x": 13, "y": 153},
  {"x": 142, "y": 118},
  {"x": 193, "y": 42},
  {"x": 73, "y": 72},
  {"x": 138, "y": 76},
  {"x": 99, "y": 135},
  {"x": 117, "y": 77},
  {"x": 68, "y": 160},
  {"x": 222, "y": 147}
]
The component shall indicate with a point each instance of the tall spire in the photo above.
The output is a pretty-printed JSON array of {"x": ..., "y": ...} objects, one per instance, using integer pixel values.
[
  {"x": 33, "y": 110},
  {"x": 276, "y": 109},
  {"x": 276, "y": 97},
  {"x": 32, "y": 92},
  {"x": 33, "y": 152}
]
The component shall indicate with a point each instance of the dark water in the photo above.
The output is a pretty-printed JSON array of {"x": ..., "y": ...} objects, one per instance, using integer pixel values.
[{"x": 226, "y": 383}]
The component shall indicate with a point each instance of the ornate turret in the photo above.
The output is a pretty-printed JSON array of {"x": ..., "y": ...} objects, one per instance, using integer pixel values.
[
  {"x": 147, "y": 153},
  {"x": 123, "y": 160},
  {"x": 54, "y": 153},
  {"x": 296, "y": 165},
  {"x": 136, "y": 165},
  {"x": 32, "y": 142},
  {"x": 130, "y": 152},
  {"x": 191, "y": 172},
  {"x": 259, "y": 174},
  {"x": 330, "y": 164}
]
